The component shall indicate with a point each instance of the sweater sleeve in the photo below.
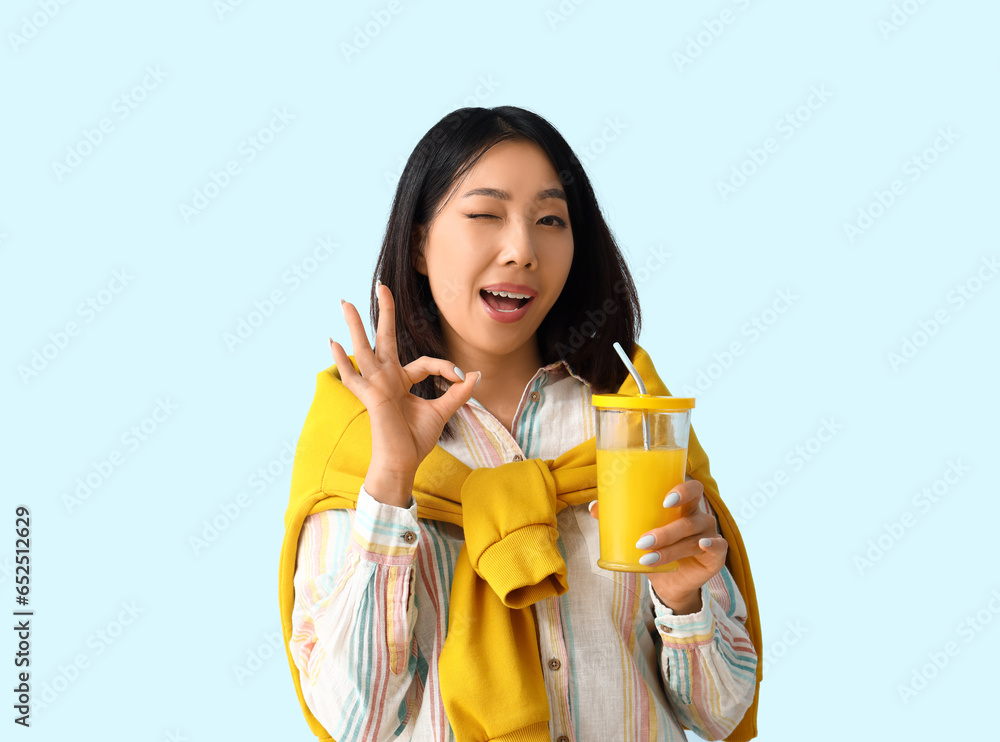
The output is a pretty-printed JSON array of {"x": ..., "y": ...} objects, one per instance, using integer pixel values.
[
  {"x": 708, "y": 661},
  {"x": 353, "y": 619}
]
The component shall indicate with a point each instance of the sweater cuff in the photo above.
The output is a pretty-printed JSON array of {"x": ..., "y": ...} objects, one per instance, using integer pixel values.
[
  {"x": 687, "y": 630},
  {"x": 385, "y": 534},
  {"x": 524, "y": 566}
]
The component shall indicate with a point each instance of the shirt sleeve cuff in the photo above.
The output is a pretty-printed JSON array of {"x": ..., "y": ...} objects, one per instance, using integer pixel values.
[
  {"x": 690, "y": 629},
  {"x": 385, "y": 533}
]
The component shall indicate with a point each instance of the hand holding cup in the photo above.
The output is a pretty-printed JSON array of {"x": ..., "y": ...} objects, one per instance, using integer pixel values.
[{"x": 692, "y": 540}]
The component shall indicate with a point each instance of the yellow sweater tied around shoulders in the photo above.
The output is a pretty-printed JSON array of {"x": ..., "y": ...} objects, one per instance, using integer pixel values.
[{"x": 509, "y": 561}]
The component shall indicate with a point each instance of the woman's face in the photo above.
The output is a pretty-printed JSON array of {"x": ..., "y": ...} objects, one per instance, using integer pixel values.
[{"x": 507, "y": 222}]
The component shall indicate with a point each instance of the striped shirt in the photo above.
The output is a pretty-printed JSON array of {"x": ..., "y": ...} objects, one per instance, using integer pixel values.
[{"x": 371, "y": 610}]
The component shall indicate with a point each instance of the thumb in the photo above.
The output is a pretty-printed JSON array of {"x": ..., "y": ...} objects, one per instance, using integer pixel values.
[
  {"x": 460, "y": 393},
  {"x": 717, "y": 546}
]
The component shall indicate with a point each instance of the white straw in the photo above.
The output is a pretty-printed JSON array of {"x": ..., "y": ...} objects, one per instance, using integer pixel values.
[{"x": 642, "y": 390}]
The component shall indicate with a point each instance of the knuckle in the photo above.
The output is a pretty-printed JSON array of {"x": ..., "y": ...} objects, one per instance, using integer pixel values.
[{"x": 691, "y": 527}]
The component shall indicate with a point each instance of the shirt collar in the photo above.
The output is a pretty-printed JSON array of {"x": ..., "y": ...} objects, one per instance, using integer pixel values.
[
  {"x": 560, "y": 370},
  {"x": 553, "y": 372}
]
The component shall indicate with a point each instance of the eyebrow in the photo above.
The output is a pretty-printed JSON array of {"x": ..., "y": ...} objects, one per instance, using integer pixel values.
[{"x": 504, "y": 196}]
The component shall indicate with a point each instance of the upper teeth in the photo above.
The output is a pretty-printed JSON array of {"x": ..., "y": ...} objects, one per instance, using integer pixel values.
[{"x": 508, "y": 293}]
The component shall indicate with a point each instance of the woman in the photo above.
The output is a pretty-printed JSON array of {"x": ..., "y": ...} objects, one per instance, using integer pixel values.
[{"x": 496, "y": 260}]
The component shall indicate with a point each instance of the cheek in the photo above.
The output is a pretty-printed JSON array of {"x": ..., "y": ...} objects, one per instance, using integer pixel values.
[{"x": 452, "y": 291}]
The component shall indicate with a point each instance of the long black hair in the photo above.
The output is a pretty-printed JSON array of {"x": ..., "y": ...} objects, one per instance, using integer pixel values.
[{"x": 598, "y": 305}]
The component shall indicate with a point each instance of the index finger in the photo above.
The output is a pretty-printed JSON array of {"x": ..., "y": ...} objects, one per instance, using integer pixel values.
[{"x": 689, "y": 494}]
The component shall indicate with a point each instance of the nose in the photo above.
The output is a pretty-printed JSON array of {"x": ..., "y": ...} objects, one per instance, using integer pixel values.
[{"x": 518, "y": 246}]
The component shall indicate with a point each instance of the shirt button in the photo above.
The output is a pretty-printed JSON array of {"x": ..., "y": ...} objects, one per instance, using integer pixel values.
[
  {"x": 534, "y": 396},
  {"x": 409, "y": 537},
  {"x": 666, "y": 629},
  {"x": 554, "y": 664},
  {"x": 518, "y": 457},
  {"x": 562, "y": 738}
]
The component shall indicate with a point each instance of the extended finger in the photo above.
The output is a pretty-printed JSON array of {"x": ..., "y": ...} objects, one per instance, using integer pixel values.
[
  {"x": 344, "y": 365},
  {"x": 363, "y": 352},
  {"x": 686, "y": 496},
  {"x": 385, "y": 332}
]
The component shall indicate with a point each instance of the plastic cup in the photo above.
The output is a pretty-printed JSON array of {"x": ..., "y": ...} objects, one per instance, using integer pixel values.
[{"x": 632, "y": 481}]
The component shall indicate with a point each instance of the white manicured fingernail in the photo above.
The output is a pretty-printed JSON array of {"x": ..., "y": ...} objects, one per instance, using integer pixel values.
[
  {"x": 479, "y": 378},
  {"x": 705, "y": 542},
  {"x": 672, "y": 499},
  {"x": 590, "y": 507},
  {"x": 459, "y": 372},
  {"x": 651, "y": 558}
]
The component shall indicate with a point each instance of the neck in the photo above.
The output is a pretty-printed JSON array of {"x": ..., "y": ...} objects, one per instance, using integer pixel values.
[{"x": 503, "y": 377}]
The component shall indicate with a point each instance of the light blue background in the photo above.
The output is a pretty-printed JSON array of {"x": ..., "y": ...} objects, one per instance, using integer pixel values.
[{"x": 861, "y": 631}]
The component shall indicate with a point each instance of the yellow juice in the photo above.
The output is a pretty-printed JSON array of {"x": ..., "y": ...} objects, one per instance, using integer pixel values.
[{"x": 631, "y": 485}]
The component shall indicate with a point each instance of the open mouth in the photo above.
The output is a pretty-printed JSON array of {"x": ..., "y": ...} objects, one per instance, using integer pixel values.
[{"x": 502, "y": 303}]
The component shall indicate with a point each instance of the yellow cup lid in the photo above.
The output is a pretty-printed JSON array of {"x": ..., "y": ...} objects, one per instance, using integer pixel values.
[{"x": 643, "y": 402}]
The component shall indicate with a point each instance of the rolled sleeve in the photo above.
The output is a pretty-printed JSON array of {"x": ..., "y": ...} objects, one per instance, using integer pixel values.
[
  {"x": 385, "y": 534},
  {"x": 708, "y": 649},
  {"x": 685, "y": 630}
]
